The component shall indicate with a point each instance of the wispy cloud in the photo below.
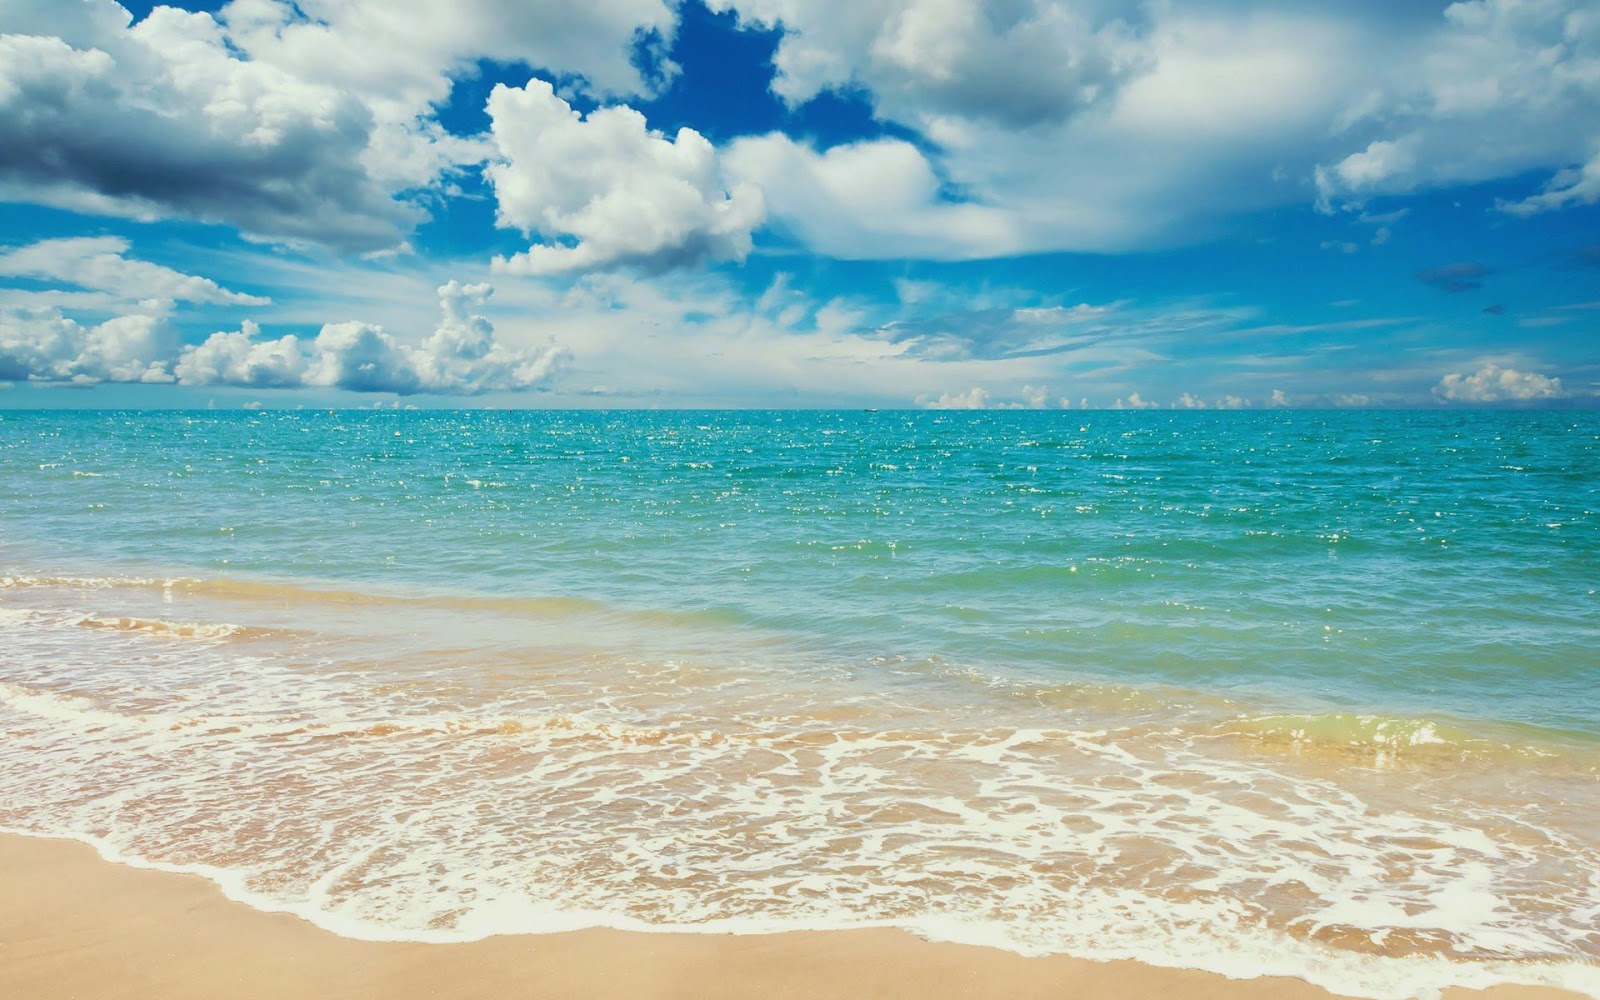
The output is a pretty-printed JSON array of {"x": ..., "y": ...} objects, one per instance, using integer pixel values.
[{"x": 102, "y": 264}]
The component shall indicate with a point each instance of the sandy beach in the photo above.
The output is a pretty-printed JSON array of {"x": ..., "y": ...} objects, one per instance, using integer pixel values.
[
  {"x": 884, "y": 732},
  {"x": 77, "y": 926}
]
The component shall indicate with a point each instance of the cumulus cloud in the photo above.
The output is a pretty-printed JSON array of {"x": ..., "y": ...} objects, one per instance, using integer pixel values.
[
  {"x": 238, "y": 358},
  {"x": 1034, "y": 125},
  {"x": 1368, "y": 169},
  {"x": 99, "y": 263},
  {"x": 1189, "y": 401},
  {"x": 1202, "y": 113},
  {"x": 42, "y": 345},
  {"x": 462, "y": 357},
  {"x": 976, "y": 398},
  {"x": 1494, "y": 384},
  {"x": 403, "y": 52},
  {"x": 1151, "y": 125},
  {"x": 1029, "y": 397},
  {"x": 162, "y": 119},
  {"x": 1019, "y": 63},
  {"x": 609, "y": 191},
  {"x": 869, "y": 199},
  {"x": 1524, "y": 72},
  {"x": 310, "y": 121}
]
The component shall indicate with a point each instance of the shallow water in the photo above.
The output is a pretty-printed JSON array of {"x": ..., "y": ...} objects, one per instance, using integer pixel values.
[{"x": 1299, "y": 693}]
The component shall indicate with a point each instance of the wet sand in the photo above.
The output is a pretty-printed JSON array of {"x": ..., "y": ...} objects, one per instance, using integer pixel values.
[{"x": 73, "y": 925}]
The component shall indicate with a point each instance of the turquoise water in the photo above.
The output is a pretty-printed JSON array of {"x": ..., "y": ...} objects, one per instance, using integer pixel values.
[
  {"x": 1353, "y": 657},
  {"x": 1405, "y": 562}
]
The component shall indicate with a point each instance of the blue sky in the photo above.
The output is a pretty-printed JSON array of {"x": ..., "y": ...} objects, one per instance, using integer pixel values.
[{"x": 800, "y": 203}]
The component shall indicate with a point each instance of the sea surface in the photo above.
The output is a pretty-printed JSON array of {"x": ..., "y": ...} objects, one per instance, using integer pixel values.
[{"x": 1299, "y": 693}]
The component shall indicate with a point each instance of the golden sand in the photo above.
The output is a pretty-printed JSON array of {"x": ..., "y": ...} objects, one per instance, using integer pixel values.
[{"x": 72, "y": 925}]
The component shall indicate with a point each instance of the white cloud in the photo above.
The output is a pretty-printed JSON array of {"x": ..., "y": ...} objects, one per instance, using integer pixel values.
[
  {"x": 403, "y": 52},
  {"x": 162, "y": 119},
  {"x": 957, "y": 326},
  {"x": 1189, "y": 401},
  {"x": 1019, "y": 63},
  {"x": 1209, "y": 112},
  {"x": 1578, "y": 186},
  {"x": 878, "y": 198},
  {"x": 1158, "y": 124},
  {"x": 1133, "y": 401},
  {"x": 361, "y": 357},
  {"x": 238, "y": 358},
  {"x": 707, "y": 338},
  {"x": 620, "y": 192},
  {"x": 1494, "y": 384},
  {"x": 1039, "y": 125},
  {"x": 462, "y": 357},
  {"x": 1381, "y": 161},
  {"x": 976, "y": 398},
  {"x": 310, "y": 121},
  {"x": 1029, "y": 397},
  {"x": 98, "y": 263},
  {"x": 45, "y": 346},
  {"x": 1494, "y": 89}
]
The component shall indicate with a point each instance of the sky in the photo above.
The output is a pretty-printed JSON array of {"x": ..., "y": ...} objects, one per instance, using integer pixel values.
[{"x": 800, "y": 203}]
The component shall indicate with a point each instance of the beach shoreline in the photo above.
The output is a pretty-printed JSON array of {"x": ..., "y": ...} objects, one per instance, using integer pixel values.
[
  {"x": 798, "y": 704},
  {"x": 79, "y": 926}
]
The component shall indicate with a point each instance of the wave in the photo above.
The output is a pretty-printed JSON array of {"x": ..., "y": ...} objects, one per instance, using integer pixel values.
[
  {"x": 1203, "y": 712},
  {"x": 1394, "y": 740},
  {"x": 441, "y": 825},
  {"x": 23, "y": 581},
  {"x": 77, "y": 711},
  {"x": 1242, "y": 957},
  {"x": 1239, "y": 716},
  {"x": 178, "y": 630},
  {"x": 280, "y": 592}
]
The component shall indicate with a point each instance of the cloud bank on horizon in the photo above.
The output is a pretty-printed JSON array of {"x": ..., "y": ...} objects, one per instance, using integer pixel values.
[{"x": 955, "y": 203}]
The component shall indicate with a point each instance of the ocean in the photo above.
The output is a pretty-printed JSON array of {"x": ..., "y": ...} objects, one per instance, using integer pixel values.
[{"x": 1296, "y": 693}]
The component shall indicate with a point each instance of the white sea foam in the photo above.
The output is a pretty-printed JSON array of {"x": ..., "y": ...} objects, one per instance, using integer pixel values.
[
  {"x": 165, "y": 629},
  {"x": 70, "y": 711},
  {"x": 22, "y": 581},
  {"x": 401, "y": 798}
]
